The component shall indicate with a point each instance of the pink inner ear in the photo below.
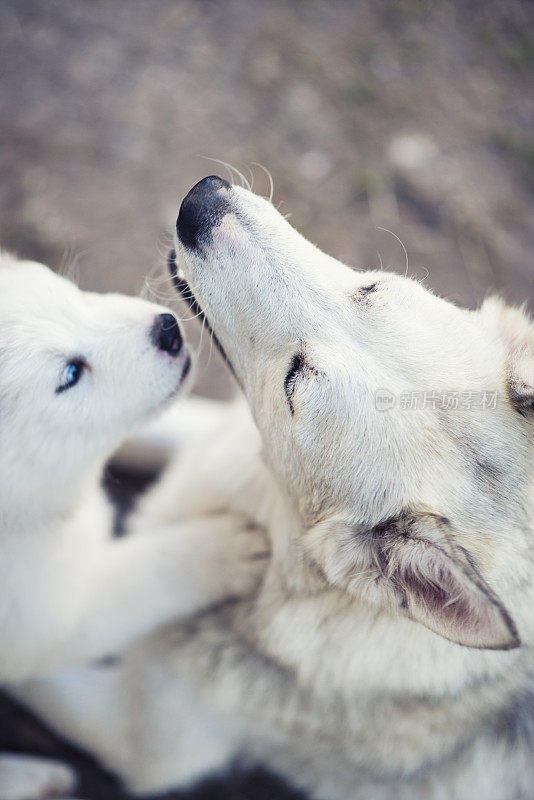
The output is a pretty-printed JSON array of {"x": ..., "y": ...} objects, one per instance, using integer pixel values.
[{"x": 444, "y": 596}]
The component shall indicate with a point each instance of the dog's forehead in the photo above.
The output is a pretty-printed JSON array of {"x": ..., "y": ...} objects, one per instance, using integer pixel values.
[
  {"x": 27, "y": 288},
  {"x": 21, "y": 276},
  {"x": 38, "y": 311}
]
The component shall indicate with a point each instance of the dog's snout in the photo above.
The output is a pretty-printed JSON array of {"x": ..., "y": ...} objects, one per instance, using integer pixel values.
[
  {"x": 166, "y": 334},
  {"x": 202, "y": 209}
]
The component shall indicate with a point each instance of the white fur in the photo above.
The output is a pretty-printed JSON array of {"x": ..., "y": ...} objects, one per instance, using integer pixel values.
[
  {"x": 31, "y": 777},
  {"x": 347, "y": 672},
  {"x": 70, "y": 592}
]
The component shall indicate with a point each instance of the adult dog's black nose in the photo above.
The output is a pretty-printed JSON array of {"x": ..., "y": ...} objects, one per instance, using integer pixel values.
[
  {"x": 204, "y": 206},
  {"x": 166, "y": 334}
]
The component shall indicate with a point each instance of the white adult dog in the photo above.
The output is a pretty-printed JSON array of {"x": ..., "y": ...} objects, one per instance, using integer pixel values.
[
  {"x": 78, "y": 371},
  {"x": 388, "y": 653}
]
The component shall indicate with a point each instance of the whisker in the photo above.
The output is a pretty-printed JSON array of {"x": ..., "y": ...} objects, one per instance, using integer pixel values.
[
  {"x": 422, "y": 280},
  {"x": 401, "y": 244},
  {"x": 230, "y": 169},
  {"x": 270, "y": 177},
  {"x": 188, "y": 319},
  {"x": 251, "y": 184},
  {"x": 69, "y": 266},
  {"x": 380, "y": 260}
]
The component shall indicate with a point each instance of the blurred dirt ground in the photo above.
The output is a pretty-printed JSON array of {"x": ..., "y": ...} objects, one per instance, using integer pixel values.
[
  {"x": 407, "y": 115},
  {"x": 377, "y": 119}
]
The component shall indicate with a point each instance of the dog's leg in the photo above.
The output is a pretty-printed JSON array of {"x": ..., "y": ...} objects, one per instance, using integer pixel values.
[
  {"x": 180, "y": 706},
  {"x": 154, "y": 733},
  {"x": 145, "y": 581},
  {"x": 25, "y": 777},
  {"x": 176, "y": 737},
  {"x": 82, "y": 705}
]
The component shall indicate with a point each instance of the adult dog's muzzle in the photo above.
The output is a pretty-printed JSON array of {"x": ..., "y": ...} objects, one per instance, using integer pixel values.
[
  {"x": 202, "y": 209},
  {"x": 183, "y": 289}
]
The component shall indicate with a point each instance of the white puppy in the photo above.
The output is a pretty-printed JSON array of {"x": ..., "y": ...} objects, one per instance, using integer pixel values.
[{"x": 77, "y": 372}]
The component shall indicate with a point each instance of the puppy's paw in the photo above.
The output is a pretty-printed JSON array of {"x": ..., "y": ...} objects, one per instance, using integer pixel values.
[
  {"x": 32, "y": 778},
  {"x": 239, "y": 555}
]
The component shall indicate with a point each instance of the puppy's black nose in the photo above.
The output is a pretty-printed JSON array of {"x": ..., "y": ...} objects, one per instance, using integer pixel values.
[
  {"x": 166, "y": 334},
  {"x": 202, "y": 209}
]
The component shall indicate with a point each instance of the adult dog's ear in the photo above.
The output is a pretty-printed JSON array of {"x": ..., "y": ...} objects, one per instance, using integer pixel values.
[
  {"x": 517, "y": 330},
  {"x": 412, "y": 564},
  {"x": 521, "y": 381}
]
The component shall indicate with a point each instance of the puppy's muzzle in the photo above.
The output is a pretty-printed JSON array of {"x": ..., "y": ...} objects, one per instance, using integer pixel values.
[
  {"x": 166, "y": 334},
  {"x": 201, "y": 210}
]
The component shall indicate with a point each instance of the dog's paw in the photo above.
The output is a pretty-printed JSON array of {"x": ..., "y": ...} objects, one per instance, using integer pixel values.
[
  {"x": 32, "y": 778},
  {"x": 239, "y": 555}
]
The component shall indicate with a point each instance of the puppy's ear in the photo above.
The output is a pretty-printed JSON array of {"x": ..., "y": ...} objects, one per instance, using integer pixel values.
[{"x": 412, "y": 564}]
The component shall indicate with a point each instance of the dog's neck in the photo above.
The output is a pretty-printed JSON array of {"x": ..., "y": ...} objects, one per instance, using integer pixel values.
[{"x": 296, "y": 595}]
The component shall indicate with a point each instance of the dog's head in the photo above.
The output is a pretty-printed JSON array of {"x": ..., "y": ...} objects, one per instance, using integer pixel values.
[
  {"x": 77, "y": 371},
  {"x": 399, "y": 424}
]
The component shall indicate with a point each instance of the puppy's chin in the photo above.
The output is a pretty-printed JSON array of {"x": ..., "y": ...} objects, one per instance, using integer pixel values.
[{"x": 185, "y": 377}]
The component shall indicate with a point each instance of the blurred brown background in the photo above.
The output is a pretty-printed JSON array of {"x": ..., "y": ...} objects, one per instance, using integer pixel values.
[
  {"x": 407, "y": 115},
  {"x": 400, "y": 114}
]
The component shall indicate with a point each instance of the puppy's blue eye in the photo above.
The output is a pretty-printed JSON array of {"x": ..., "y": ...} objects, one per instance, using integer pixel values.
[{"x": 70, "y": 376}]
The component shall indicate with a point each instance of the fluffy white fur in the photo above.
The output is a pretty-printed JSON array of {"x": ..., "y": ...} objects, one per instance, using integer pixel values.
[
  {"x": 70, "y": 592},
  {"x": 387, "y": 653}
]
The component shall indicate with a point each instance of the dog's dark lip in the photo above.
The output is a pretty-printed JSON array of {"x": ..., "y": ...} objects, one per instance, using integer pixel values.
[
  {"x": 186, "y": 368},
  {"x": 184, "y": 290}
]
